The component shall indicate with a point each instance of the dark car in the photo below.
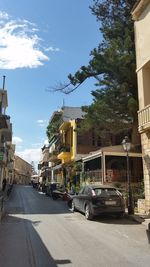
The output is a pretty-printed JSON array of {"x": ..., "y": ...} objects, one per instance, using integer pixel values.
[
  {"x": 51, "y": 187},
  {"x": 95, "y": 200},
  {"x": 56, "y": 190}
]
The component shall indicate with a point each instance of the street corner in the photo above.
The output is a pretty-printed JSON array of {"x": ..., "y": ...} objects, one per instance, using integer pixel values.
[
  {"x": 135, "y": 217},
  {"x": 140, "y": 219}
]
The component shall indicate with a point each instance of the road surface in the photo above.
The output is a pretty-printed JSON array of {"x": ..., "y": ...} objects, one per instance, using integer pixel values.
[{"x": 41, "y": 232}]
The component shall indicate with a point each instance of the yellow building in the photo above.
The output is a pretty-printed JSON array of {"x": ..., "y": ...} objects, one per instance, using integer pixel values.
[
  {"x": 73, "y": 143},
  {"x": 68, "y": 141},
  {"x": 65, "y": 144},
  {"x": 73, "y": 146},
  {"x": 141, "y": 16}
]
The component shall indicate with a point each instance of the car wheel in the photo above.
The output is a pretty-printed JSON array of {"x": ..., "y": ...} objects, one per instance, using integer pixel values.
[
  {"x": 73, "y": 206},
  {"x": 69, "y": 203},
  {"x": 88, "y": 214}
]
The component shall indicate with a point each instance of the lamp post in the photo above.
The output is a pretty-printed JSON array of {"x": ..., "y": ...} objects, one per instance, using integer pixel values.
[{"x": 127, "y": 146}]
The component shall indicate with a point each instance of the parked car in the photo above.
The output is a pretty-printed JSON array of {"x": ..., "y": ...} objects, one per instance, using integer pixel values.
[
  {"x": 55, "y": 190},
  {"x": 95, "y": 200}
]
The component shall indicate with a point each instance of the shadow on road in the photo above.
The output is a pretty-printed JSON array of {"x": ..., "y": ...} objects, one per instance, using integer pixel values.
[
  {"x": 110, "y": 219},
  {"x": 113, "y": 220},
  {"x": 21, "y": 246}
]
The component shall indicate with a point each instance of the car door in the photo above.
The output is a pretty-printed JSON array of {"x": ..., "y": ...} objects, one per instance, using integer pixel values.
[
  {"x": 84, "y": 198},
  {"x": 77, "y": 198}
]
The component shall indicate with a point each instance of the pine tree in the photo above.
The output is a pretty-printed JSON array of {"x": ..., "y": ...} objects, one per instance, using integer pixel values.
[{"x": 113, "y": 64}]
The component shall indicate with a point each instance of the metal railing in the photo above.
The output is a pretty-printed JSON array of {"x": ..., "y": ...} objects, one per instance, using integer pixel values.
[
  {"x": 144, "y": 117},
  {"x": 92, "y": 176}
]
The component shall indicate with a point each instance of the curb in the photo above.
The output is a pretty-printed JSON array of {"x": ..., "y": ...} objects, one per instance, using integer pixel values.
[
  {"x": 2, "y": 215},
  {"x": 140, "y": 220}
]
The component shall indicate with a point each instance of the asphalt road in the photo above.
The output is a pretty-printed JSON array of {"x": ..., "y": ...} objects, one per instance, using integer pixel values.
[{"x": 41, "y": 232}]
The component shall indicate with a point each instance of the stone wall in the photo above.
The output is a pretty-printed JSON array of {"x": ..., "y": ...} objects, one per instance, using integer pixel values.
[{"x": 145, "y": 139}]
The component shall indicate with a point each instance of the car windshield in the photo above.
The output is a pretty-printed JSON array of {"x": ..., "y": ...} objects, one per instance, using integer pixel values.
[{"x": 104, "y": 192}]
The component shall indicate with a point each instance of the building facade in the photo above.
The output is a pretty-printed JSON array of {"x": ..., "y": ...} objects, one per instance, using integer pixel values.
[
  {"x": 67, "y": 145},
  {"x": 7, "y": 149},
  {"x": 141, "y": 16},
  {"x": 22, "y": 171}
]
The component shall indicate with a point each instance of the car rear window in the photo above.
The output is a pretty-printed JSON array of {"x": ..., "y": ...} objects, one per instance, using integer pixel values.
[{"x": 103, "y": 192}]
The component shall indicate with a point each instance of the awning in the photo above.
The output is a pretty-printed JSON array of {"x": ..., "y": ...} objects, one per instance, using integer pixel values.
[
  {"x": 57, "y": 167},
  {"x": 92, "y": 156},
  {"x": 111, "y": 151}
]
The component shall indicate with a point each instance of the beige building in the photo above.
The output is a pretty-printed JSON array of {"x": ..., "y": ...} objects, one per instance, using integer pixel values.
[
  {"x": 6, "y": 147},
  {"x": 22, "y": 171},
  {"x": 44, "y": 166},
  {"x": 141, "y": 16},
  {"x": 10, "y": 162}
]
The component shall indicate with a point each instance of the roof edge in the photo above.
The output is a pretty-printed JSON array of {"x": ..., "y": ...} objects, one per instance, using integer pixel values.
[{"x": 138, "y": 8}]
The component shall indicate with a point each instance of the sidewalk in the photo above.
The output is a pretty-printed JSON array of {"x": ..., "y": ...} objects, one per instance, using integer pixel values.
[
  {"x": 140, "y": 218},
  {"x": 4, "y": 196}
]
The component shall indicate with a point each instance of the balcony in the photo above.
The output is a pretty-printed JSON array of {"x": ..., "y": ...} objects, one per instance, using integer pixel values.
[
  {"x": 144, "y": 119},
  {"x": 65, "y": 154},
  {"x": 53, "y": 156},
  {"x": 4, "y": 121},
  {"x": 3, "y": 158}
]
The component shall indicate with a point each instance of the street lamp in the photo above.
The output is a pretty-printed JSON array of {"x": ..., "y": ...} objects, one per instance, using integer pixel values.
[{"x": 127, "y": 146}]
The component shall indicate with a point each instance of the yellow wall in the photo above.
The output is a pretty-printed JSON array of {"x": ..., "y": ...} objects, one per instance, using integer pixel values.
[{"x": 74, "y": 139}]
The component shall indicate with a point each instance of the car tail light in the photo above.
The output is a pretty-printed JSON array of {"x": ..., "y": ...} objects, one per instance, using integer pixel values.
[{"x": 93, "y": 193}]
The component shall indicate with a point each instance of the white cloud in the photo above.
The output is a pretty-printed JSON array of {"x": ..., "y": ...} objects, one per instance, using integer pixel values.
[
  {"x": 30, "y": 155},
  {"x": 3, "y": 15},
  {"x": 19, "y": 45},
  {"x": 42, "y": 123},
  {"x": 16, "y": 140},
  {"x": 37, "y": 145},
  {"x": 52, "y": 49}
]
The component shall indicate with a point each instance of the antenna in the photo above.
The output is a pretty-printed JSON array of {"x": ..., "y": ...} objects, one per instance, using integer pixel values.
[
  {"x": 2, "y": 94},
  {"x": 63, "y": 102},
  {"x": 4, "y": 82}
]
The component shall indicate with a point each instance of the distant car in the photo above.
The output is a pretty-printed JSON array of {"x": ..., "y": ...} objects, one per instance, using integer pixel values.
[{"x": 95, "y": 200}]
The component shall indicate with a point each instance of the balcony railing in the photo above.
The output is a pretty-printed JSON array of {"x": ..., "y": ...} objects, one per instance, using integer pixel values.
[
  {"x": 53, "y": 155},
  {"x": 64, "y": 149},
  {"x": 144, "y": 119}
]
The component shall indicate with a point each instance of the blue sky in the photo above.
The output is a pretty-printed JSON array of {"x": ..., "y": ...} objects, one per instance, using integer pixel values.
[{"x": 41, "y": 42}]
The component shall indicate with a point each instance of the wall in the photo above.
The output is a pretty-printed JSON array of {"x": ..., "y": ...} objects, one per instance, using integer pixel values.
[
  {"x": 22, "y": 171},
  {"x": 142, "y": 41}
]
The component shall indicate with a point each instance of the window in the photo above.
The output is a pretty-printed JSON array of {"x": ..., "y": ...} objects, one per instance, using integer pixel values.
[
  {"x": 104, "y": 192},
  {"x": 81, "y": 190},
  {"x": 87, "y": 191}
]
